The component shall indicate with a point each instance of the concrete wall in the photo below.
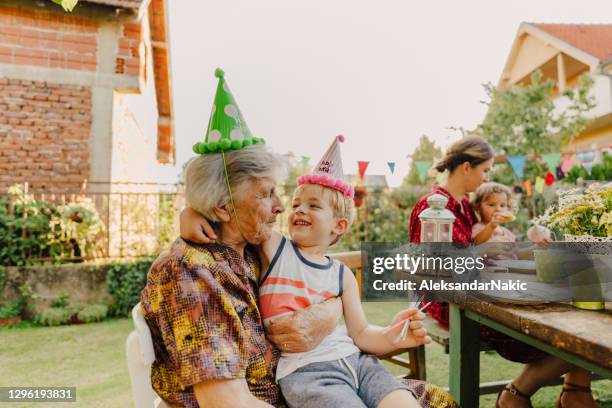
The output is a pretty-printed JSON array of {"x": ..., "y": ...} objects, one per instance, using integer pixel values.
[{"x": 84, "y": 283}]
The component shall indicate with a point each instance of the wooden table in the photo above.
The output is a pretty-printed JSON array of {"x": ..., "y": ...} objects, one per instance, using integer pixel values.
[{"x": 581, "y": 337}]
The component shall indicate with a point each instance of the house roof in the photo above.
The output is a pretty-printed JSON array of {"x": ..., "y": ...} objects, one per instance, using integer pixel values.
[{"x": 594, "y": 39}]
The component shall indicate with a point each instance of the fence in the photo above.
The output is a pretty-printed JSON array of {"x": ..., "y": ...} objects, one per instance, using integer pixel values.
[
  {"x": 132, "y": 219},
  {"x": 139, "y": 219}
]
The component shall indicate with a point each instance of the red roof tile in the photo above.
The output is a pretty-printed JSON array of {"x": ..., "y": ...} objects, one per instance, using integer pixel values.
[{"x": 594, "y": 39}]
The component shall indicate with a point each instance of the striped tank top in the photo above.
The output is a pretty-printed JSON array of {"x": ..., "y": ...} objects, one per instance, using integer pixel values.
[{"x": 292, "y": 283}]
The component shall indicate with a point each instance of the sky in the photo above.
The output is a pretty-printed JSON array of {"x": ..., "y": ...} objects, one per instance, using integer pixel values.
[{"x": 382, "y": 73}]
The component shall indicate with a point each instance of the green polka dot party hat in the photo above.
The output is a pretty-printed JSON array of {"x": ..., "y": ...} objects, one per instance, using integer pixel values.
[{"x": 227, "y": 129}]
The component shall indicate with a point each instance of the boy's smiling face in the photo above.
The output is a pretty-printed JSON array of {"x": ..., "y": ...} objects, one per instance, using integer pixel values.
[{"x": 311, "y": 220}]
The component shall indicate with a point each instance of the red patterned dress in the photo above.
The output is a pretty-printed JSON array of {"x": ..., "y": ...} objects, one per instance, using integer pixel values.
[{"x": 465, "y": 218}]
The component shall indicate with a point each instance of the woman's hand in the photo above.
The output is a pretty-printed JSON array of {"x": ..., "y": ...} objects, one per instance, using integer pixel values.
[
  {"x": 306, "y": 329},
  {"x": 417, "y": 334},
  {"x": 196, "y": 228}
]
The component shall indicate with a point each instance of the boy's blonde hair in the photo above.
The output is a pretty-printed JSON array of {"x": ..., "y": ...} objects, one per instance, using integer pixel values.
[
  {"x": 342, "y": 206},
  {"x": 486, "y": 189}
]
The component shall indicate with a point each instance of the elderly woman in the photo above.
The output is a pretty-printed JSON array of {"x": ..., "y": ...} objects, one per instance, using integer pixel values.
[{"x": 200, "y": 300}]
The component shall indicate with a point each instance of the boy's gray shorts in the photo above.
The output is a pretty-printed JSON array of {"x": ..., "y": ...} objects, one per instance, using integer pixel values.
[{"x": 333, "y": 384}]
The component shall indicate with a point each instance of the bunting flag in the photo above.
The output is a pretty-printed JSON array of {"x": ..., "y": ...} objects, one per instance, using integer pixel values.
[
  {"x": 567, "y": 162},
  {"x": 518, "y": 164},
  {"x": 550, "y": 178},
  {"x": 527, "y": 184},
  {"x": 422, "y": 169},
  {"x": 560, "y": 174},
  {"x": 539, "y": 185},
  {"x": 305, "y": 160},
  {"x": 391, "y": 167},
  {"x": 588, "y": 159},
  {"x": 363, "y": 165},
  {"x": 552, "y": 159}
]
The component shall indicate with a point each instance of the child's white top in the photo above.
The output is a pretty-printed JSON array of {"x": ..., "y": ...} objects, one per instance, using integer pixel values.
[{"x": 292, "y": 283}]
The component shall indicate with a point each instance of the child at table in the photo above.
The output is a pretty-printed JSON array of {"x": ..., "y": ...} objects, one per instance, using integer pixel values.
[
  {"x": 492, "y": 203},
  {"x": 339, "y": 372}
]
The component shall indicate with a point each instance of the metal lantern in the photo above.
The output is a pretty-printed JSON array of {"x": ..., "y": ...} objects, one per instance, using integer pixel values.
[{"x": 437, "y": 221}]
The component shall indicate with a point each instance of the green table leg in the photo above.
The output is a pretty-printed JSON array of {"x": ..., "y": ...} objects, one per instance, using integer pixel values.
[{"x": 464, "y": 378}]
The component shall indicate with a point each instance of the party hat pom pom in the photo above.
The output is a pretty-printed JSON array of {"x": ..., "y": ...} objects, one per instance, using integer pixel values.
[
  {"x": 246, "y": 142},
  {"x": 219, "y": 73},
  {"x": 236, "y": 144},
  {"x": 225, "y": 144},
  {"x": 196, "y": 148},
  {"x": 340, "y": 138},
  {"x": 213, "y": 147}
]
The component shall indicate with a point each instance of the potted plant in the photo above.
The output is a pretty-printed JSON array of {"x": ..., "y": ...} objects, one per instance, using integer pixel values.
[
  {"x": 582, "y": 216},
  {"x": 586, "y": 217}
]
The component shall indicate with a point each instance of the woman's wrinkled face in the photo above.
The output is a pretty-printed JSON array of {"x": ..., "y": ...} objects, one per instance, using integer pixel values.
[
  {"x": 477, "y": 175},
  {"x": 257, "y": 205}
]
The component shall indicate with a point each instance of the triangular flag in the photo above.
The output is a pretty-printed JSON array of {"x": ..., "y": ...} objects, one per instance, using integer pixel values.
[
  {"x": 363, "y": 165},
  {"x": 588, "y": 159},
  {"x": 422, "y": 169},
  {"x": 518, "y": 164},
  {"x": 567, "y": 162},
  {"x": 391, "y": 167},
  {"x": 550, "y": 178},
  {"x": 305, "y": 160},
  {"x": 539, "y": 184},
  {"x": 527, "y": 184},
  {"x": 552, "y": 159}
]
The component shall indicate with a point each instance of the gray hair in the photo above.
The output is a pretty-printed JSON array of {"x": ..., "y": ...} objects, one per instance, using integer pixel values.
[{"x": 205, "y": 183}]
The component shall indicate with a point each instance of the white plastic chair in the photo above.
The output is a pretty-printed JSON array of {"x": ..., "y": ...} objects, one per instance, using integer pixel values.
[{"x": 140, "y": 356}]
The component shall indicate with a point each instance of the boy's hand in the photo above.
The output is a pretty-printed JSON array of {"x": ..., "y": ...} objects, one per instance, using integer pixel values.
[
  {"x": 417, "y": 334},
  {"x": 196, "y": 228}
]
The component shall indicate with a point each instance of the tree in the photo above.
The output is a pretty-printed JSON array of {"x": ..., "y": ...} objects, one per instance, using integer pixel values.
[
  {"x": 67, "y": 5},
  {"x": 425, "y": 151},
  {"x": 522, "y": 119}
]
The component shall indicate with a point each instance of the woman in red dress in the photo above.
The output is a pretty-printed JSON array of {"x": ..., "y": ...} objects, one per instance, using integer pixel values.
[{"x": 468, "y": 163}]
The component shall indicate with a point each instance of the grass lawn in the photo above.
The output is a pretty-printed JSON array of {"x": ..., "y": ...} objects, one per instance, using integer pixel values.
[{"x": 92, "y": 358}]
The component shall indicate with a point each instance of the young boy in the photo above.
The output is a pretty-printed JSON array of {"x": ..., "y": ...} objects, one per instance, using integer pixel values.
[{"x": 338, "y": 372}]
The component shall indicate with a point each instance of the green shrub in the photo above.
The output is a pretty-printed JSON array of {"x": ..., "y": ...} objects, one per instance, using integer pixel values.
[
  {"x": 93, "y": 313},
  {"x": 10, "y": 309},
  {"x": 125, "y": 281},
  {"x": 54, "y": 316},
  {"x": 603, "y": 170},
  {"x": 62, "y": 300},
  {"x": 575, "y": 173},
  {"x": 32, "y": 229}
]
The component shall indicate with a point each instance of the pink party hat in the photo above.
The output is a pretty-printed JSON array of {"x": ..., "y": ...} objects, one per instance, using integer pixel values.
[{"x": 328, "y": 171}]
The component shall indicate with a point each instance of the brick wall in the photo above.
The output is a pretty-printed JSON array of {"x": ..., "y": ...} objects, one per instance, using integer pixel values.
[
  {"x": 41, "y": 38},
  {"x": 128, "y": 57},
  {"x": 44, "y": 133}
]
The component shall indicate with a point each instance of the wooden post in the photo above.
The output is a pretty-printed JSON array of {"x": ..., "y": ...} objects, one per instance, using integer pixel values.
[
  {"x": 464, "y": 358},
  {"x": 561, "y": 82}
]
